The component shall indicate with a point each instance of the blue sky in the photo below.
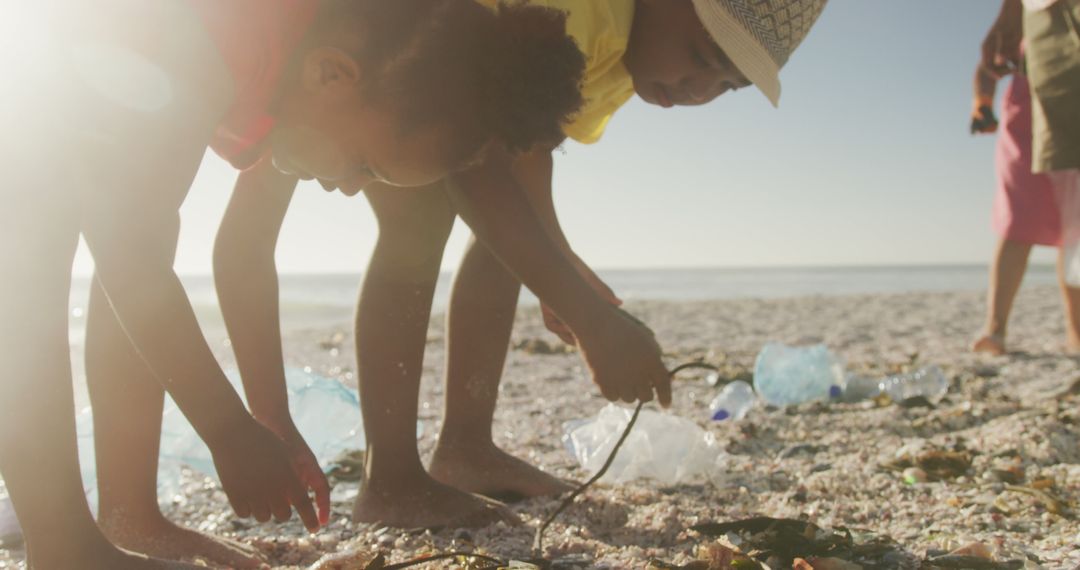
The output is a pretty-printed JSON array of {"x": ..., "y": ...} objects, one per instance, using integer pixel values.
[{"x": 867, "y": 162}]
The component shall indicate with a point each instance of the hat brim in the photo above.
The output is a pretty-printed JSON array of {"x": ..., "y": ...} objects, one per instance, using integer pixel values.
[{"x": 752, "y": 60}]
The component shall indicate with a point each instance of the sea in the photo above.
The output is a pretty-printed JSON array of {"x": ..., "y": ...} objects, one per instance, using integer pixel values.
[{"x": 313, "y": 299}]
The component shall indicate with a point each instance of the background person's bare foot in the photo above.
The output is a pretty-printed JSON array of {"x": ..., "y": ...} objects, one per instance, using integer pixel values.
[
  {"x": 990, "y": 343},
  {"x": 426, "y": 503},
  {"x": 163, "y": 539},
  {"x": 490, "y": 471}
]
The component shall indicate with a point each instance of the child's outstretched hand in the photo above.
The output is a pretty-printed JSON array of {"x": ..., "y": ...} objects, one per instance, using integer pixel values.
[
  {"x": 625, "y": 359},
  {"x": 304, "y": 464},
  {"x": 256, "y": 474}
]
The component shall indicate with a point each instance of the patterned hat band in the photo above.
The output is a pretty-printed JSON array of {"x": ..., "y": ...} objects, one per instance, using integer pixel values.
[{"x": 758, "y": 36}]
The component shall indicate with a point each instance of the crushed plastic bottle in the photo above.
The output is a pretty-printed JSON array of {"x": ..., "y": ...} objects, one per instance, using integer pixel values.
[
  {"x": 663, "y": 447},
  {"x": 928, "y": 382},
  {"x": 733, "y": 402},
  {"x": 786, "y": 375},
  {"x": 326, "y": 412}
]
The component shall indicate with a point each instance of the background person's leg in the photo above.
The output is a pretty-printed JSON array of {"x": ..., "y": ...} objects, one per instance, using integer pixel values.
[{"x": 1006, "y": 275}]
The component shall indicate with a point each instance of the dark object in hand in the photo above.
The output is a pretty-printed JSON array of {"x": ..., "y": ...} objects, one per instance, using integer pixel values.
[{"x": 984, "y": 121}]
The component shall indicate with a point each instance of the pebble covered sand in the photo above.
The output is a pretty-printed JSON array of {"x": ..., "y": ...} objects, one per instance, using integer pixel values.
[{"x": 1013, "y": 415}]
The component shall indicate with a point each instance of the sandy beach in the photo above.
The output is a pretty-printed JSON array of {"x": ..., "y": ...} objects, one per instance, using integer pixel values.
[{"x": 828, "y": 464}]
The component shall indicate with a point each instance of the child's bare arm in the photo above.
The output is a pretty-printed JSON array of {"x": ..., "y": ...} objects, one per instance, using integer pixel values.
[
  {"x": 246, "y": 278},
  {"x": 131, "y": 230},
  {"x": 534, "y": 171},
  {"x": 245, "y": 275},
  {"x": 623, "y": 355}
]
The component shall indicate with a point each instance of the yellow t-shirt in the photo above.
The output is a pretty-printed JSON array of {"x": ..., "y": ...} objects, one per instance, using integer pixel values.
[{"x": 601, "y": 29}]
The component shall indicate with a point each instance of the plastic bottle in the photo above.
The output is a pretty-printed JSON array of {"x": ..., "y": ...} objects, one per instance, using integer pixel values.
[
  {"x": 785, "y": 375},
  {"x": 733, "y": 402},
  {"x": 928, "y": 382}
]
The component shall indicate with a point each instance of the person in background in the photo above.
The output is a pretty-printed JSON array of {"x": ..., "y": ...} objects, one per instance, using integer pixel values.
[
  {"x": 1042, "y": 135},
  {"x": 1025, "y": 210}
]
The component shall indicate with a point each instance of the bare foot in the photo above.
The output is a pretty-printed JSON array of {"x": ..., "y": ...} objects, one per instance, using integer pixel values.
[
  {"x": 426, "y": 503},
  {"x": 1072, "y": 345},
  {"x": 105, "y": 556},
  {"x": 163, "y": 539},
  {"x": 990, "y": 343},
  {"x": 487, "y": 470}
]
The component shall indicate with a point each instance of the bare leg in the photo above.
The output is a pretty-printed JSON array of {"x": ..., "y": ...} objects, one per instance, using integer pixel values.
[
  {"x": 127, "y": 403},
  {"x": 38, "y": 453},
  {"x": 1071, "y": 296},
  {"x": 480, "y": 321},
  {"x": 391, "y": 332},
  {"x": 1006, "y": 274}
]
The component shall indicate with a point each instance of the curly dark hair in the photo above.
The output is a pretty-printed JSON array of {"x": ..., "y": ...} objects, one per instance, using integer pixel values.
[{"x": 510, "y": 74}]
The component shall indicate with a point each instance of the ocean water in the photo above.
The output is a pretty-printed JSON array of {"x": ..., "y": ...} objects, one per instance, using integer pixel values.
[{"x": 312, "y": 299}]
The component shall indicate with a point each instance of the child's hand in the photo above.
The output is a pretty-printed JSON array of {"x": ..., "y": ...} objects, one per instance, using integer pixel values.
[
  {"x": 624, "y": 358},
  {"x": 255, "y": 472},
  {"x": 304, "y": 464}
]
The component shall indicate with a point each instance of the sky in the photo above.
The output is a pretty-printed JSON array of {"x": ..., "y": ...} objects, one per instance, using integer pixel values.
[{"x": 867, "y": 161}]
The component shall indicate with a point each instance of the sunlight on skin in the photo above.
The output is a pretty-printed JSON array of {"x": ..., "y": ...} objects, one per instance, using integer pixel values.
[
  {"x": 123, "y": 76},
  {"x": 35, "y": 41}
]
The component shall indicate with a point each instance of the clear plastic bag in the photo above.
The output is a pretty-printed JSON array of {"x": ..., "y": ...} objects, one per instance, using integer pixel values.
[{"x": 663, "y": 447}]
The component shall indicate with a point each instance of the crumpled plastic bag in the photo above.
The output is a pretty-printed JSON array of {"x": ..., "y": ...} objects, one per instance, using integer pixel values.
[
  {"x": 10, "y": 533},
  {"x": 662, "y": 447},
  {"x": 326, "y": 412}
]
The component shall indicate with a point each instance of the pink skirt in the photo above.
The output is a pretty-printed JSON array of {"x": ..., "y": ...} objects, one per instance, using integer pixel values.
[{"x": 1025, "y": 207}]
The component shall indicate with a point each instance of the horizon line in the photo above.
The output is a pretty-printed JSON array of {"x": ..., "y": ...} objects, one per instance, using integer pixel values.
[{"x": 663, "y": 268}]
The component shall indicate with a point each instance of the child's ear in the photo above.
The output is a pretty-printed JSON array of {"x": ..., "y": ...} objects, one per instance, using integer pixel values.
[{"x": 328, "y": 69}]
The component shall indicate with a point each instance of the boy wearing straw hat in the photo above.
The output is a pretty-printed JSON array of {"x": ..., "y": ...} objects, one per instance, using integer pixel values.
[{"x": 668, "y": 52}]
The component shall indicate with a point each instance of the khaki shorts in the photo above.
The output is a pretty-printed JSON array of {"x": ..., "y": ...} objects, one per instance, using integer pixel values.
[{"x": 1053, "y": 64}]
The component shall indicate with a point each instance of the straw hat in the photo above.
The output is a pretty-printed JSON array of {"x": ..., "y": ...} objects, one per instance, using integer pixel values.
[{"x": 759, "y": 35}]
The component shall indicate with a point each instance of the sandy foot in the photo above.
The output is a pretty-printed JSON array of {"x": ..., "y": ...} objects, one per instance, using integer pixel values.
[
  {"x": 490, "y": 471},
  {"x": 165, "y": 540}
]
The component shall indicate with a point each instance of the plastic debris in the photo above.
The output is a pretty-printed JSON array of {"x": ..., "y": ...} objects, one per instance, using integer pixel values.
[
  {"x": 733, "y": 402},
  {"x": 928, "y": 383},
  {"x": 10, "y": 531},
  {"x": 663, "y": 447},
  {"x": 326, "y": 412},
  {"x": 786, "y": 375}
]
